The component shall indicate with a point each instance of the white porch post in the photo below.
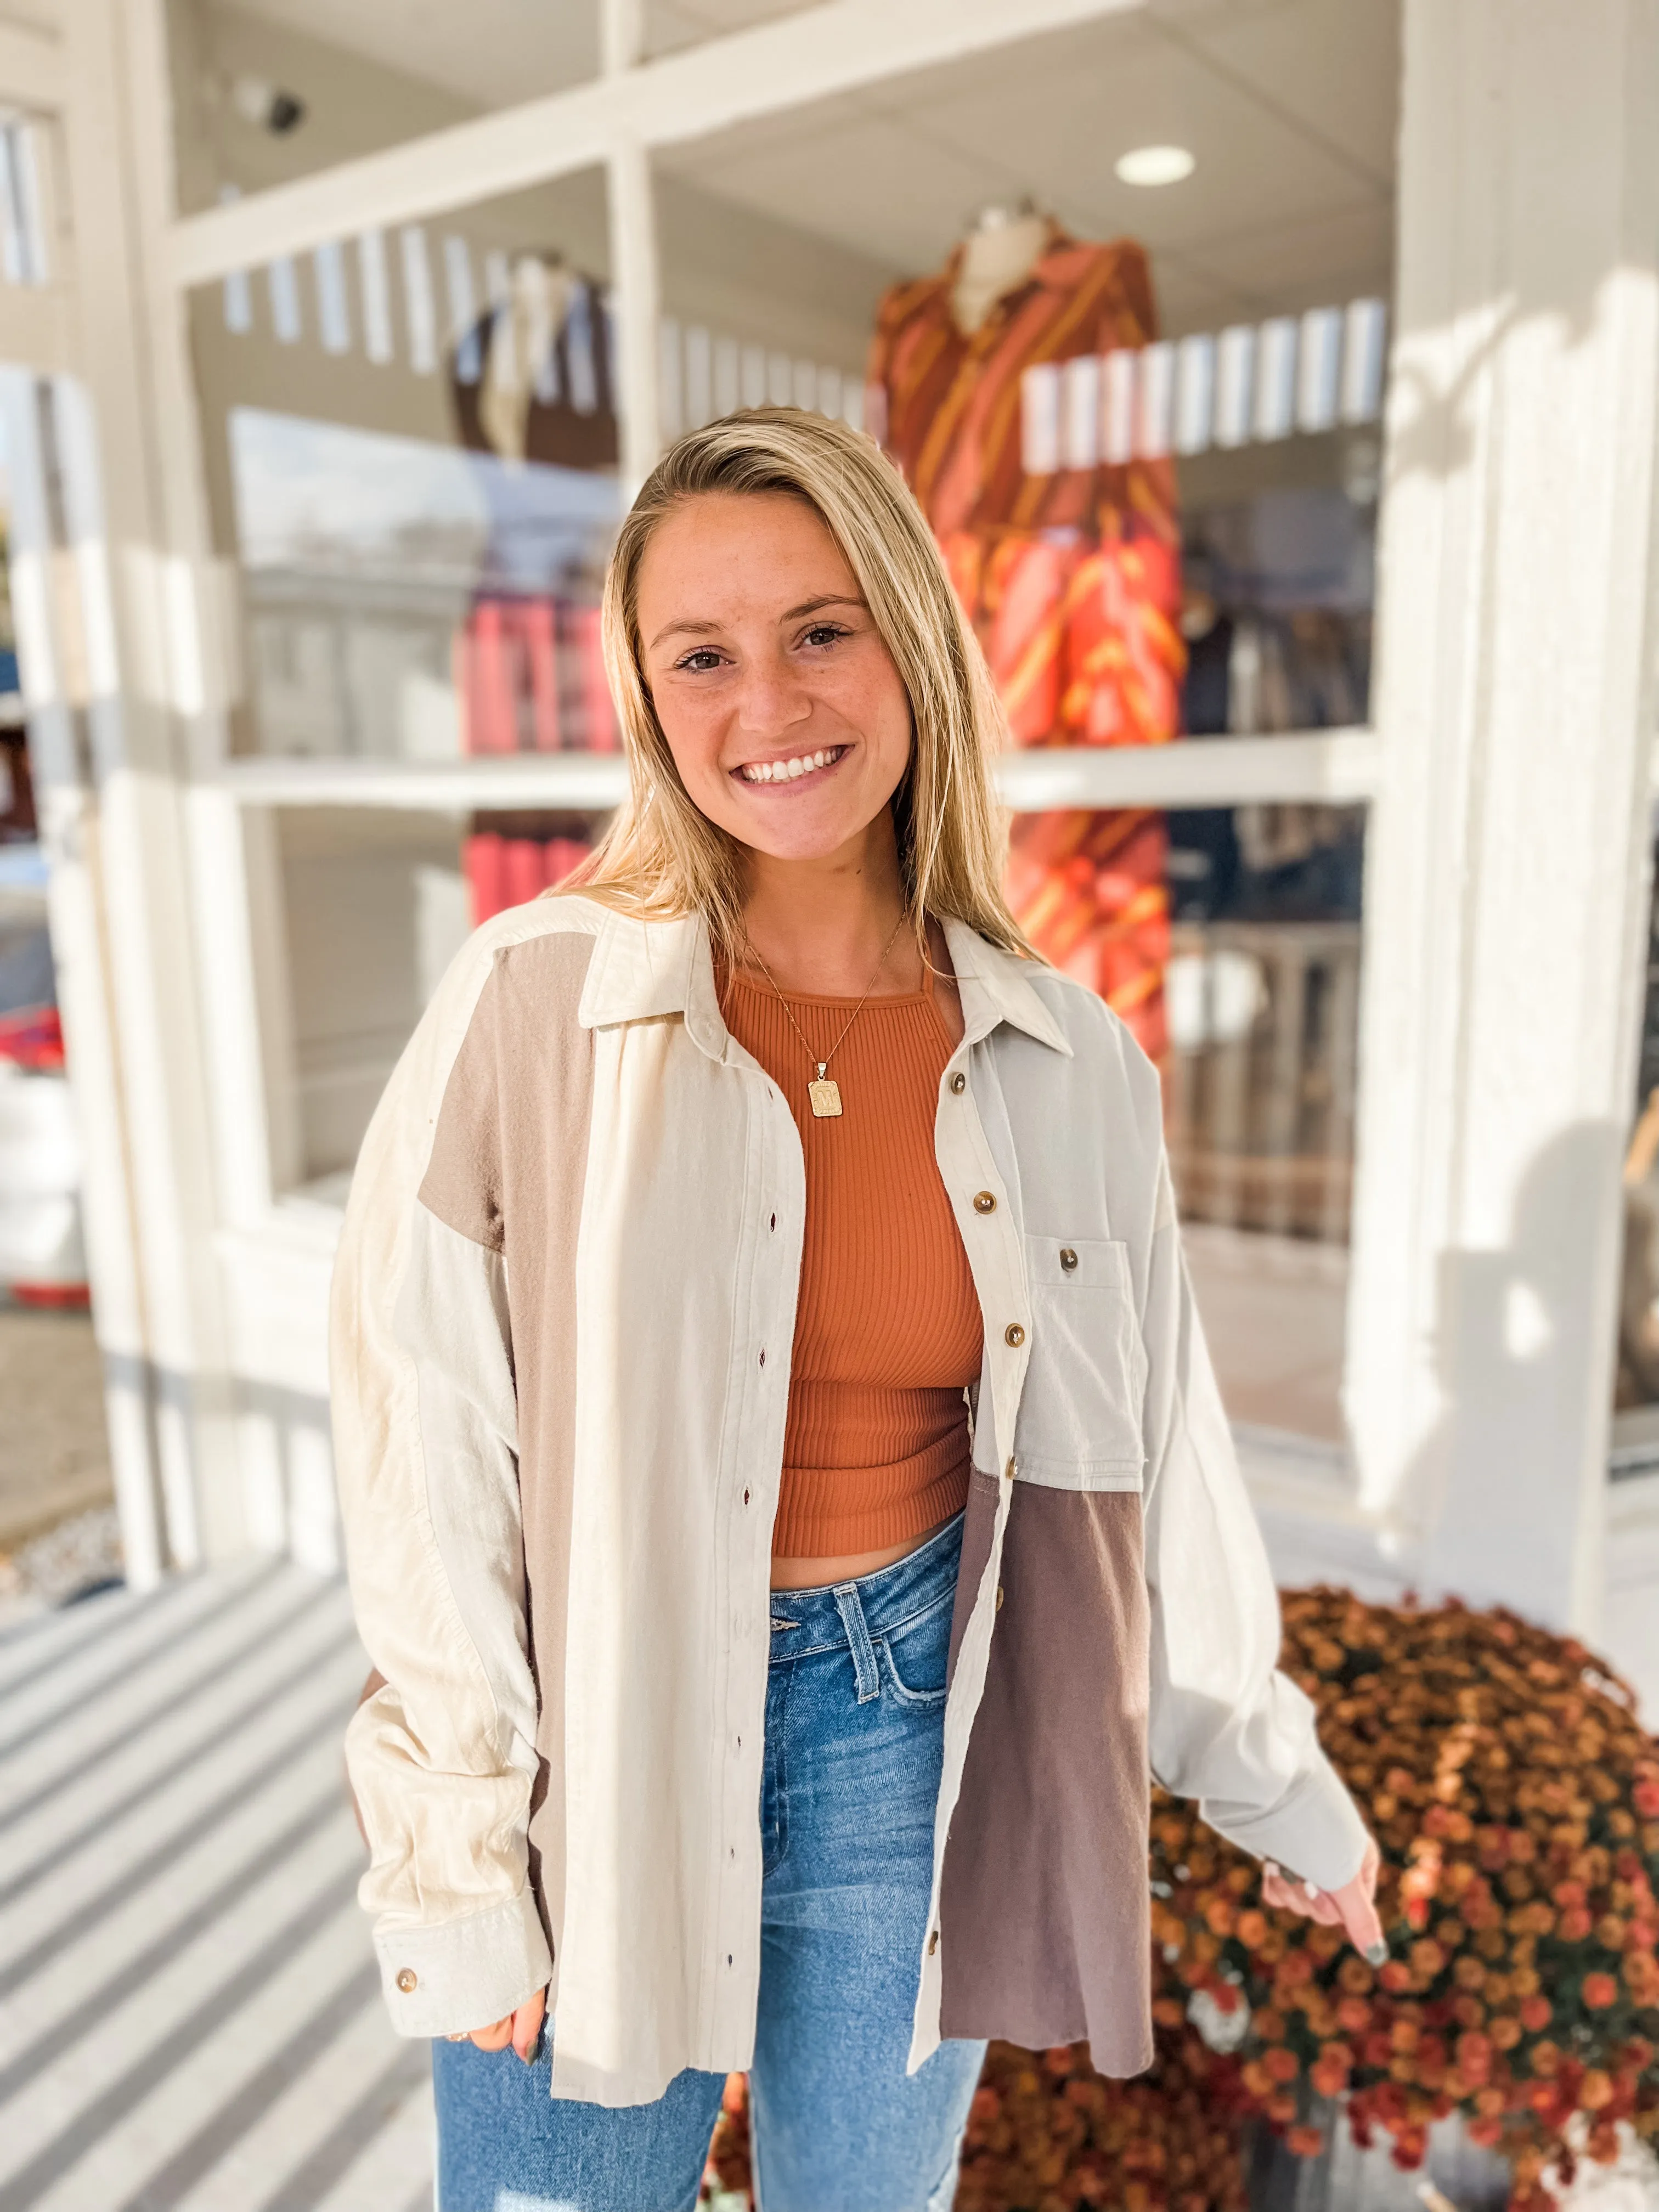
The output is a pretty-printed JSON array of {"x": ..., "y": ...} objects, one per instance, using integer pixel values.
[
  {"x": 1508, "y": 865},
  {"x": 127, "y": 508},
  {"x": 635, "y": 288}
]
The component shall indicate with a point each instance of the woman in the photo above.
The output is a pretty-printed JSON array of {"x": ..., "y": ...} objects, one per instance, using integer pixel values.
[{"x": 786, "y": 1495}]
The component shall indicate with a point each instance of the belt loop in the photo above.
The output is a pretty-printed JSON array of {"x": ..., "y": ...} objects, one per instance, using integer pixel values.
[{"x": 858, "y": 1635}]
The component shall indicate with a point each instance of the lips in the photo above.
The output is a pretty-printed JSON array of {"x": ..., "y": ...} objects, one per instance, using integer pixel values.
[{"x": 791, "y": 770}]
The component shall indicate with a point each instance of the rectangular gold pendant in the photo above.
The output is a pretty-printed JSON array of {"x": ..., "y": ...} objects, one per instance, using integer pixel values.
[{"x": 825, "y": 1095}]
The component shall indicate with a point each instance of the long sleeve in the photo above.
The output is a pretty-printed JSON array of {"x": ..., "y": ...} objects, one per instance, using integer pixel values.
[
  {"x": 442, "y": 1756},
  {"x": 1226, "y": 1727}
]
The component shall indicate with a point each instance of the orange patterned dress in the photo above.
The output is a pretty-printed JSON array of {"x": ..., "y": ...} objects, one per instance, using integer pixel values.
[{"x": 1072, "y": 579}]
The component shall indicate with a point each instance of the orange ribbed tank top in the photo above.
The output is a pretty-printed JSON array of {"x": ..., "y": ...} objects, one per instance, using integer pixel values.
[{"x": 887, "y": 1329}]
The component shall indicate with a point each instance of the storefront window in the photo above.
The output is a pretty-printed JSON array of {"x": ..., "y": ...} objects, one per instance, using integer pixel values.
[{"x": 1129, "y": 353}]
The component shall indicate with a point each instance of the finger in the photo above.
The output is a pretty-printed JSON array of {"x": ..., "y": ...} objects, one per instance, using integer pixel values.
[
  {"x": 496, "y": 2037},
  {"x": 1359, "y": 1918},
  {"x": 527, "y": 2025}
]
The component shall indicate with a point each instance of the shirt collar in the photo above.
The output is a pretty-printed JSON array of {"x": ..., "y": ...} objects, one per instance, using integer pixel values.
[
  {"x": 996, "y": 987},
  {"x": 644, "y": 970}
]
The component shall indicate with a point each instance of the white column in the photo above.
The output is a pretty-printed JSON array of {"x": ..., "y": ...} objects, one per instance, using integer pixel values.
[
  {"x": 1507, "y": 872},
  {"x": 45, "y": 602},
  {"x": 131, "y": 491},
  {"x": 636, "y": 289}
]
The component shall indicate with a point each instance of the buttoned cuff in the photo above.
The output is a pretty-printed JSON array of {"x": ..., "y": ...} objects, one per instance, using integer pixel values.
[
  {"x": 1315, "y": 1831},
  {"x": 456, "y": 1976}
]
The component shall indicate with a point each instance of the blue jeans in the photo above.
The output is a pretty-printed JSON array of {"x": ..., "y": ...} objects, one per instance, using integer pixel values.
[{"x": 854, "y": 1732}]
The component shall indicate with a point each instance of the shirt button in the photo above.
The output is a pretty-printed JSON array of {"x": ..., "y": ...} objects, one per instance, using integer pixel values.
[
  {"x": 932, "y": 1943},
  {"x": 1067, "y": 1258},
  {"x": 985, "y": 1202},
  {"x": 998, "y": 1597},
  {"x": 407, "y": 1980},
  {"x": 1013, "y": 1335},
  {"x": 1008, "y": 1470},
  {"x": 958, "y": 1083}
]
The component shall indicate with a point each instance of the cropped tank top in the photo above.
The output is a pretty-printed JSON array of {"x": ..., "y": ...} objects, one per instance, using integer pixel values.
[{"x": 888, "y": 1332}]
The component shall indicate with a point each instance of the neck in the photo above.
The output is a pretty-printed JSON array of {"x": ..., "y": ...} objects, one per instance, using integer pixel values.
[
  {"x": 996, "y": 259},
  {"x": 821, "y": 926}
]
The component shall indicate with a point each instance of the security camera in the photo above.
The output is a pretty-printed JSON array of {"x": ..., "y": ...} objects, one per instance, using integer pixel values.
[{"x": 266, "y": 106}]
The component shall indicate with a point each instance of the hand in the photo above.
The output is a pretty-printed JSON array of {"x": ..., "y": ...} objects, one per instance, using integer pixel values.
[
  {"x": 1353, "y": 1907},
  {"x": 519, "y": 2028}
]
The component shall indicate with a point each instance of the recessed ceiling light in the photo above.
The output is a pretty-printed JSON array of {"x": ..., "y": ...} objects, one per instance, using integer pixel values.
[{"x": 1155, "y": 165}]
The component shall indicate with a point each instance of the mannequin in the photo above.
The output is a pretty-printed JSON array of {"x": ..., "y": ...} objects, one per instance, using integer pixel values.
[
  {"x": 1072, "y": 579},
  {"x": 997, "y": 257}
]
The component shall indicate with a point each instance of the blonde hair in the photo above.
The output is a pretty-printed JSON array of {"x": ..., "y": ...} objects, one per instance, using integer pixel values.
[{"x": 661, "y": 855}]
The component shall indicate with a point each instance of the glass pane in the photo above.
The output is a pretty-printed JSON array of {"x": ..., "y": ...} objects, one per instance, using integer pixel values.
[
  {"x": 370, "y": 907},
  {"x": 275, "y": 89},
  {"x": 1262, "y": 1001},
  {"x": 1138, "y": 392},
  {"x": 1144, "y": 420},
  {"x": 411, "y": 443}
]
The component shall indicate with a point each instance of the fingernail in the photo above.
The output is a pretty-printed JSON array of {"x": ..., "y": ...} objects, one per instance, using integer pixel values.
[{"x": 1376, "y": 1953}]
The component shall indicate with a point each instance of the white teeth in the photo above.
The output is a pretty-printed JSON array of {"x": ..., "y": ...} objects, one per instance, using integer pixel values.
[{"x": 786, "y": 771}]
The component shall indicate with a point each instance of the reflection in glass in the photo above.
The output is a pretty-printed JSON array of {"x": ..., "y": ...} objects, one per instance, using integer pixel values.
[{"x": 412, "y": 601}]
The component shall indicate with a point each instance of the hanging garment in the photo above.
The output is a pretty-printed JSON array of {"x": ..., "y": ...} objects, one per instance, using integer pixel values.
[
  {"x": 1072, "y": 581},
  {"x": 534, "y": 378}
]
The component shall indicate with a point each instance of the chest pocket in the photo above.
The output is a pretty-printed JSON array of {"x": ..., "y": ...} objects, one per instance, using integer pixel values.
[{"x": 1079, "y": 1413}]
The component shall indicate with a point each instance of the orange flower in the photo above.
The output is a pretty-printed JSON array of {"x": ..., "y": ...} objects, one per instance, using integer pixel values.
[
  {"x": 1282, "y": 2065},
  {"x": 1595, "y": 2090},
  {"x": 1599, "y": 1991},
  {"x": 1329, "y": 2076},
  {"x": 1306, "y": 2143},
  {"x": 1252, "y": 1929},
  {"x": 1474, "y": 2057}
]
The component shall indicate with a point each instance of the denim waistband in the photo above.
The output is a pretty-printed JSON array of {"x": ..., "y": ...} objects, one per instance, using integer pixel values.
[{"x": 805, "y": 1621}]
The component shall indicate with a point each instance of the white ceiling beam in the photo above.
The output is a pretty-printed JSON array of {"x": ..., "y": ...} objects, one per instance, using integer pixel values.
[
  {"x": 31, "y": 68},
  {"x": 838, "y": 47},
  {"x": 1328, "y": 767}
]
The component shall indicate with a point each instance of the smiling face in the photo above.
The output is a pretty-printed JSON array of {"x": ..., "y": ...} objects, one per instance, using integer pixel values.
[{"x": 787, "y": 720}]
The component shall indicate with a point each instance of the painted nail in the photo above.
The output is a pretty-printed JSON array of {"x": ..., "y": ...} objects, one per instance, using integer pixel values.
[{"x": 1376, "y": 1953}]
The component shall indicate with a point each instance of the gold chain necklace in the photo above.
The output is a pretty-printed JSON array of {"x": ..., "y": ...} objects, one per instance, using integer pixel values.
[{"x": 824, "y": 1095}]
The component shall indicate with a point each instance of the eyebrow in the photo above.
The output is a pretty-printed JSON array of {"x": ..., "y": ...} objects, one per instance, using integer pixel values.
[{"x": 690, "y": 628}]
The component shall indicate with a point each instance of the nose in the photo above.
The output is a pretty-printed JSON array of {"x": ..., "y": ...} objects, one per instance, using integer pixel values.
[{"x": 771, "y": 701}]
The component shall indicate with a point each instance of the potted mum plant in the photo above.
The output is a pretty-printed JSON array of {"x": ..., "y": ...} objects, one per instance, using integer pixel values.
[{"x": 1516, "y": 1799}]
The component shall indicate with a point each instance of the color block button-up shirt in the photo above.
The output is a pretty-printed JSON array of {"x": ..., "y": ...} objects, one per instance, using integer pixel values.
[{"x": 561, "y": 1334}]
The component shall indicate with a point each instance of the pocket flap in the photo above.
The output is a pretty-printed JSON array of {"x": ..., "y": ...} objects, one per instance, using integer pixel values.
[{"x": 1090, "y": 1263}]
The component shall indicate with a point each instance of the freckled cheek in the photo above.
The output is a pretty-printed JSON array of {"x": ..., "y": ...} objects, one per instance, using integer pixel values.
[{"x": 695, "y": 732}]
